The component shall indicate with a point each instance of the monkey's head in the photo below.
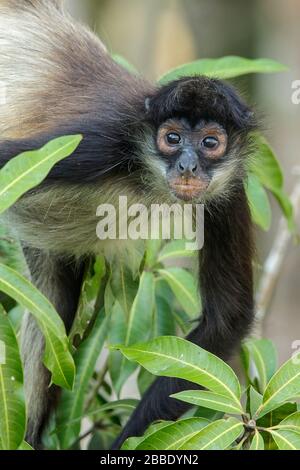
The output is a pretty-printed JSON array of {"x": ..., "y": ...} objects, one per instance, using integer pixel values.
[{"x": 199, "y": 136}]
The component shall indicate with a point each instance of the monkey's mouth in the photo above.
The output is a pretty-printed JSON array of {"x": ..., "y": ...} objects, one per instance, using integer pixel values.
[{"x": 188, "y": 189}]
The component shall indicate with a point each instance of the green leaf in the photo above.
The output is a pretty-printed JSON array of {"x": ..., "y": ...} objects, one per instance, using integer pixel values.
[
  {"x": 173, "y": 436},
  {"x": 286, "y": 440},
  {"x": 175, "y": 249},
  {"x": 27, "y": 170},
  {"x": 16, "y": 315},
  {"x": 119, "y": 369},
  {"x": 283, "y": 386},
  {"x": 164, "y": 319},
  {"x": 286, "y": 207},
  {"x": 259, "y": 203},
  {"x": 90, "y": 288},
  {"x": 12, "y": 402},
  {"x": 176, "y": 357},
  {"x": 25, "y": 446},
  {"x": 255, "y": 400},
  {"x": 109, "y": 298},
  {"x": 128, "y": 405},
  {"x": 210, "y": 400},
  {"x": 257, "y": 442},
  {"x": 71, "y": 406},
  {"x": 144, "y": 380},
  {"x": 218, "y": 435},
  {"x": 265, "y": 166},
  {"x": 152, "y": 250},
  {"x": 141, "y": 313},
  {"x": 273, "y": 418},
  {"x": 102, "y": 440},
  {"x": 138, "y": 325},
  {"x": 133, "y": 442},
  {"x": 291, "y": 422},
  {"x": 183, "y": 321},
  {"x": 120, "y": 293},
  {"x": 263, "y": 354},
  {"x": 184, "y": 287},
  {"x": 207, "y": 413},
  {"x": 125, "y": 64},
  {"x": 223, "y": 68},
  {"x": 162, "y": 289},
  {"x": 124, "y": 287},
  {"x": 57, "y": 357}
]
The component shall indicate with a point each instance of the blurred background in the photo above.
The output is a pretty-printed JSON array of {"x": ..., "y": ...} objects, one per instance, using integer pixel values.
[{"x": 156, "y": 35}]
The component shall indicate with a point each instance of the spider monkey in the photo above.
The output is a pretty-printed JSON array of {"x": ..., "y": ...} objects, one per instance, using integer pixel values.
[{"x": 187, "y": 140}]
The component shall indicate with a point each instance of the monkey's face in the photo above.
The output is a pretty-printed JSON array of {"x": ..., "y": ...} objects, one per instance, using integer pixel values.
[
  {"x": 200, "y": 134},
  {"x": 191, "y": 153}
]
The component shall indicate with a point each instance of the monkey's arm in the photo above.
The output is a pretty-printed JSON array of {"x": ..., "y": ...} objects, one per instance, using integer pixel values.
[
  {"x": 226, "y": 289},
  {"x": 83, "y": 166}
]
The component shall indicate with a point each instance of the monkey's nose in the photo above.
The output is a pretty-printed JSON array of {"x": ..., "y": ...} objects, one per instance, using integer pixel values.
[{"x": 187, "y": 166}]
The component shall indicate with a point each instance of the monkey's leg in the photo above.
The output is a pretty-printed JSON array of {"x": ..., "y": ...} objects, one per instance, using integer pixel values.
[
  {"x": 226, "y": 289},
  {"x": 59, "y": 280}
]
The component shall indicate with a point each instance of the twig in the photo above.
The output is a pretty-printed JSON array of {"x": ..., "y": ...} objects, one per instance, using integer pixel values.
[
  {"x": 96, "y": 427},
  {"x": 274, "y": 262},
  {"x": 92, "y": 429},
  {"x": 98, "y": 383}
]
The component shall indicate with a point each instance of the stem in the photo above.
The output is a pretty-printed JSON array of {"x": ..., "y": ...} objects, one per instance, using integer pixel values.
[
  {"x": 96, "y": 427},
  {"x": 273, "y": 264},
  {"x": 97, "y": 385},
  {"x": 242, "y": 440}
]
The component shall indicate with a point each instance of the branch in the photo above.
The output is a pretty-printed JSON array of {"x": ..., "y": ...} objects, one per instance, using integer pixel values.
[{"x": 274, "y": 261}]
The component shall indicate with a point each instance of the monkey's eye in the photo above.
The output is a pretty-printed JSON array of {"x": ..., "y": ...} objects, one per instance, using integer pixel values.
[
  {"x": 210, "y": 142},
  {"x": 173, "y": 138}
]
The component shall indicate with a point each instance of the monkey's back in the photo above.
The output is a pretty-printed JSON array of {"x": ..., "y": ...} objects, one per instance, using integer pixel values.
[{"x": 51, "y": 69}]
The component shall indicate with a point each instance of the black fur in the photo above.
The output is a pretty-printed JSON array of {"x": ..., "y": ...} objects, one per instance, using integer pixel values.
[
  {"x": 201, "y": 97},
  {"x": 226, "y": 289}
]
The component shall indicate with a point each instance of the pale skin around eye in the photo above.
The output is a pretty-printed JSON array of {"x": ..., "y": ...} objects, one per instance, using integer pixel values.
[{"x": 210, "y": 138}]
